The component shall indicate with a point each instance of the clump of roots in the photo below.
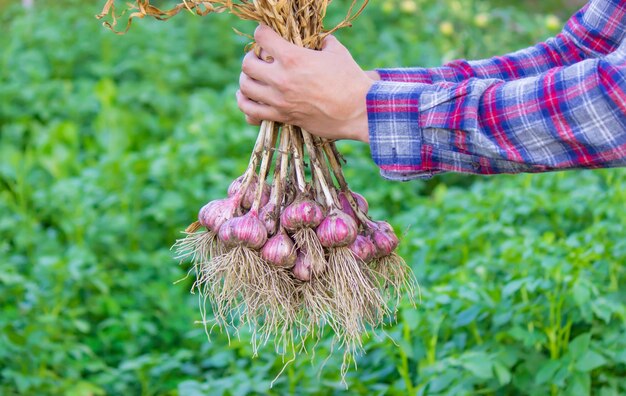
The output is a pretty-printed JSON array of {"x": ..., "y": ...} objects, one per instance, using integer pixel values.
[
  {"x": 314, "y": 311},
  {"x": 394, "y": 278},
  {"x": 197, "y": 247},
  {"x": 245, "y": 291},
  {"x": 357, "y": 303}
]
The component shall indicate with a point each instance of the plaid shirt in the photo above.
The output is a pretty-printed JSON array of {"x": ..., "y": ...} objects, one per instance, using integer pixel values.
[{"x": 558, "y": 105}]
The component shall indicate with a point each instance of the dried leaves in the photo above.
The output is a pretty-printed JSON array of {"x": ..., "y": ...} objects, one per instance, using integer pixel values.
[{"x": 299, "y": 21}]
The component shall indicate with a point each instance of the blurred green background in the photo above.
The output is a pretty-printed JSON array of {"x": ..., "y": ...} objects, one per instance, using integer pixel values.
[{"x": 110, "y": 144}]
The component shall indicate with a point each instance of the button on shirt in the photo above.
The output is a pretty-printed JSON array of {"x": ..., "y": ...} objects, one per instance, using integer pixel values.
[{"x": 560, "y": 104}]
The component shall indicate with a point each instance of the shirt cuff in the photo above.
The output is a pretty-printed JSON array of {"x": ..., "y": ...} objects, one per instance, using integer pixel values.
[
  {"x": 411, "y": 75},
  {"x": 394, "y": 131}
]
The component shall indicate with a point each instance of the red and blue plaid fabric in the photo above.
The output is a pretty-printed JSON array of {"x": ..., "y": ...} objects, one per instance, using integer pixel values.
[{"x": 558, "y": 105}]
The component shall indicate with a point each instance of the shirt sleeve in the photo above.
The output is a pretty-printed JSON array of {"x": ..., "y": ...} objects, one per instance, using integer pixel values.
[
  {"x": 596, "y": 30},
  {"x": 565, "y": 118}
]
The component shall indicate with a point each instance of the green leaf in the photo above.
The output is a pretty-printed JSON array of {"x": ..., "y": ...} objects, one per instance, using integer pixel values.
[
  {"x": 411, "y": 317},
  {"x": 82, "y": 325},
  {"x": 579, "y": 385},
  {"x": 10, "y": 279},
  {"x": 589, "y": 361},
  {"x": 466, "y": 317},
  {"x": 502, "y": 373},
  {"x": 621, "y": 357},
  {"x": 581, "y": 293},
  {"x": 85, "y": 389},
  {"x": 442, "y": 382},
  {"x": 512, "y": 287},
  {"x": 579, "y": 345},
  {"x": 606, "y": 391},
  {"x": 479, "y": 364},
  {"x": 603, "y": 309},
  {"x": 547, "y": 371}
]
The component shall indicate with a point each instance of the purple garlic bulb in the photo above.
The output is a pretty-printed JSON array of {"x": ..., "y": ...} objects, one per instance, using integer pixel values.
[
  {"x": 383, "y": 237},
  {"x": 246, "y": 230},
  {"x": 265, "y": 196},
  {"x": 215, "y": 213},
  {"x": 345, "y": 205},
  {"x": 302, "y": 268},
  {"x": 337, "y": 230},
  {"x": 384, "y": 226},
  {"x": 279, "y": 251},
  {"x": 300, "y": 214},
  {"x": 363, "y": 248},
  {"x": 269, "y": 217},
  {"x": 235, "y": 185},
  {"x": 248, "y": 198}
]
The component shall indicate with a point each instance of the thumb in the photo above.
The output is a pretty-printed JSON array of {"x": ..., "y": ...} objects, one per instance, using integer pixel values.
[
  {"x": 270, "y": 41},
  {"x": 331, "y": 44}
]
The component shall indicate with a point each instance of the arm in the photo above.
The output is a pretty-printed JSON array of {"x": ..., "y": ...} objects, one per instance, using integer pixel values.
[
  {"x": 594, "y": 31},
  {"x": 568, "y": 117}
]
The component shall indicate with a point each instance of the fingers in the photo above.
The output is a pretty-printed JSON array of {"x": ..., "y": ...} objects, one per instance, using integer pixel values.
[
  {"x": 255, "y": 112},
  {"x": 271, "y": 42},
  {"x": 256, "y": 68},
  {"x": 263, "y": 55},
  {"x": 255, "y": 90}
]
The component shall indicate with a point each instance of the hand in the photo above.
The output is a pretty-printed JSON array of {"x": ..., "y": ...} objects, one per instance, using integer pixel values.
[
  {"x": 373, "y": 74},
  {"x": 323, "y": 92}
]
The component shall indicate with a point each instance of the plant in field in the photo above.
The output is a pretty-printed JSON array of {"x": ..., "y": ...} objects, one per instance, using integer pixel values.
[{"x": 290, "y": 251}]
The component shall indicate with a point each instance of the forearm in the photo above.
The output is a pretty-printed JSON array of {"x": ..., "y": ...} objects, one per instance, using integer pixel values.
[{"x": 567, "y": 118}]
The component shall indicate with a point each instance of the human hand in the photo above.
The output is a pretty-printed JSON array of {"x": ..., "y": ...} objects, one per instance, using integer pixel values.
[
  {"x": 323, "y": 92},
  {"x": 373, "y": 74}
]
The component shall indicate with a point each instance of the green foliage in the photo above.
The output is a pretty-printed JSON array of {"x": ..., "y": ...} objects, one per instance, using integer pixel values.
[{"x": 109, "y": 145}]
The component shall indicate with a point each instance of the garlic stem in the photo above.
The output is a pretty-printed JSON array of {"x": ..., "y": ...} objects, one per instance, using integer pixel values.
[
  {"x": 329, "y": 179},
  {"x": 279, "y": 171},
  {"x": 298, "y": 158},
  {"x": 317, "y": 167},
  {"x": 268, "y": 152},
  {"x": 332, "y": 154},
  {"x": 280, "y": 174},
  {"x": 271, "y": 147},
  {"x": 254, "y": 161},
  {"x": 257, "y": 150}
]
